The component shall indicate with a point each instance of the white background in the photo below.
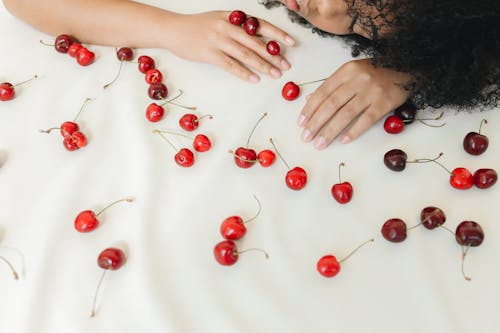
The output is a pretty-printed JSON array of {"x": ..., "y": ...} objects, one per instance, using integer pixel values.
[{"x": 171, "y": 282}]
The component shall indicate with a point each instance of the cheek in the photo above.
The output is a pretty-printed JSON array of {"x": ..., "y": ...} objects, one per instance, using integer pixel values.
[
  {"x": 331, "y": 16},
  {"x": 337, "y": 25}
]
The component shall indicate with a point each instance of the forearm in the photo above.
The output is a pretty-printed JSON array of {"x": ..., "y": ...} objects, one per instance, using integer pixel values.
[{"x": 105, "y": 22}]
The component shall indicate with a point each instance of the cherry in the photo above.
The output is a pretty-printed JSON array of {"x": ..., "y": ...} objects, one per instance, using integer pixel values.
[
  {"x": 68, "y": 128},
  {"x": 157, "y": 91},
  {"x": 184, "y": 157},
  {"x": 476, "y": 143},
  {"x": 190, "y": 122},
  {"x": 125, "y": 54},
  {"x": 109, "y": 259},
  {"x": 342, "y": 191},
  {"x": 266, "y": 158},
  {"x": 62, "y": 43},
  {"x": 154, "y": 112},
  {"x": 329, "y": 266},
  {"x": 234, "y": 228},
  {"x": 201, "y": 143},
  {"x": 226, "y": 253},
  {"x": 273, "y": 48},
  {"x": 395, "y": 159},
  {"x": 79, "y": 138},
  {"x": 7, "y": 90},
  {"x": 394, "y": 230},
  {"x": 432, "y": 217},
  {"x": 461, "y": 179},
  {"x": 295, "y": 178},
  {"x": 237, "y": 17},
  {"x": 394, "y": 125},
  {"x": 73, "y": 49},
  {"x": 153, "y": 76},
  {"x": 145, "y": 63},
  {"x": 84, "y": 57},
  {"x": 485, "y": 178},
  {"x": 69, "y": 143},
  {"x": 406, "y": 112},
  {"x": 251, "y": 25},
  {"x": 468, "y": 234},
  {"x": 86, "y": 221},
  {"x": 245, "y": 157},
  {"x": 291, "y": 90}
]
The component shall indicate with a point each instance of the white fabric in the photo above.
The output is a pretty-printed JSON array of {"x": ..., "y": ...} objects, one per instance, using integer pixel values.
[{"x": 171, "y": 282}]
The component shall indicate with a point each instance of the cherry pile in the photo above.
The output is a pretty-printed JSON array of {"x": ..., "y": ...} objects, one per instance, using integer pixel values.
[
  {"x": 233, "y": 228},
  {"x": 7, "y": 89},
  {"x": 329, "y": 266},
  {"x": 405, "y": 115},
  {"x": 67, "y": 44}
]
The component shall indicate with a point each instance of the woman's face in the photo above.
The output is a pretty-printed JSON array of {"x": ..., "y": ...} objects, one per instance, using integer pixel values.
[{"x": 328, "y": 15}]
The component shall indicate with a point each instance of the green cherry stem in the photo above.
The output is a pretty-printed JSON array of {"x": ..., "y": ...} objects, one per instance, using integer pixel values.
[
  {"x": 311, "y": 82},
  {"x": 355, "y": 250},
  {"x": 254, "y": 127},
  {"x": 87, "y": 100},
  {"x": 171, "y": 101},
  {"x": 279, "y": 154},
  {"x": 166, "y": 139},
  {"x": 128, "y": 199},
  {"x": 258, "y": 211}
]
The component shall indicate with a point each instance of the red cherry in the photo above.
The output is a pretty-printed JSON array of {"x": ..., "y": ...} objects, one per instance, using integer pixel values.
[
  {"x": 62, "y": 43},
  {"x": 84, "y": 57},
  {"x": 69, "y": 143},
  {"x": 79, "y": 138},
  {"x": 237, "y": 17},
  {"x": 461, "y": 178},
  {"x": 157, "y": 91},
  {"x": 184, "y": 157},
  {"x": 296, "y": 178},
  {"x": 153, "y": 76},
  {"x": 342, "y": 191},
  {"x": 125, "y": 54},
  {"x": 432, "y": 217},
  {"x": 244, "y": 157},
  {"x": 7, "y": 91},
  {"x": 469, "y": 233},
  {"x": 395, "y": 160},
  {"x": 476, "y": 143},
  {"x": 328, "y": 266},
  {"x": 226, "y": 253},
  {"x": 394, "y": 230},
  {"x": 201, "y": 143},
  {"x": 485, "y": 178},
  {"x": 189, "y": 122},
  {"x": 86, "y": 221},
  {"x": 68, "y": 128},
  {"x": 394, "y": 125},
  {"x": 290, "y": 91},
  {"x": 145, "y": 63},
  {"x": 273, "y": 48},
  {"x": 111, "y": 259},
  {"x": 73, "y": 49},
  {"x": 251, "y": 25},
  {"x": 233, "y": 228},
  {"x": 154, "y": 112},
  {"x": 266, "y": 158}
]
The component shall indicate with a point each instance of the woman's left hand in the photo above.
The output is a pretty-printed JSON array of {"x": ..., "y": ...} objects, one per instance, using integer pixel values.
[{"x": 350, "y": 101}]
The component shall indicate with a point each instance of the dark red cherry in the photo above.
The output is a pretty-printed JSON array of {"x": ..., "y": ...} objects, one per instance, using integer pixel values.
[
  {"x": 62, "y": 43},
  {"x": 237, "y": 17},
  {"x": 154, "y": 112},
  {"x": 469, "y": 233},
  {"x": 476, "y": 143},
  {"x": 485, "y": 178},
  {"x": 395, "y": 159},
  {"x": 328, "y": 266},
  {"x": 201, "y": 143},
  {"x": 85, "y": 57},
  {"x": 290, "y": 91},
  {"x": 432, "y": 217},
  {"x": 145, "y": 63},
  {"x": 157, "y": 91},
  {"x": 125, "y": 54},
  {"x": 7, "y": 91},
  {"x": 251, "y": 25},
  {"x": 394, "y": 230},
  {"x": 111, "y": 259},
  {"x": 226, "y": 253},
  {"x": 184, "y": 157},
  {"x": 406, "y": 112},
  {"x": 244, "y": 157},
  {"x": 266, "y": 158},
  {"x": 394, "y": 125},
  {"x": 73, "y": 49},
  {"x": 461, "y": 178},
  {"x": 233, "y": 228},
  {"x": 273, "y": 48},
  {"x": 296, "y": 178}
]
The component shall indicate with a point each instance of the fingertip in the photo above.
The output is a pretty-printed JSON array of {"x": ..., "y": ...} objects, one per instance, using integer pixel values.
[
  {"x": 289, "y": 40},
  {"x": 254, "y": 78},
  {"x": 345, "y": 139}
]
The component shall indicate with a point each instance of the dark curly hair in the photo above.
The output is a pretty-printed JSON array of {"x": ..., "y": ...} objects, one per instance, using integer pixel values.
[{"x": 450, "y": 47}]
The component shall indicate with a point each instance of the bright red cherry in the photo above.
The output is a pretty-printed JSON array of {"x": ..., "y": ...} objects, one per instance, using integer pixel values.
[
  {"x": 432, "y": 217},
  {"x": 201, "y": 143},
  {"x": 62, "y": 43},
  {"x": 237, "y": 17},
  {"x": 290, "y": 91},
  {"x": 342, "y": 191},
  {"x": 393, "y": 125},
  {"x": 184, "y": 157},
  {"x": 189, "y": 122},
  {"x": 155, "y": 112},
  {"x": 69, "y": 143},
  {"x": 145, "y": 63},
  {"x": 73, "y": 49},
  {"x": 153, "y": 76},
  {"x": 476, "y": 143},
  {"x": 461, "y": 178},
  {"x": 157, "y": 91},
  {"x": 234, "y": 227},
  {"x": 245, "y": 157},
  {"x": 84, "y": 57},
  {"x": 7, "y": 91},
  {"x": 394, "y": 230},
  {"x": 79, "y": 138},
  {"x": 86, "y": 221},
  {"x": 296, "y": 178},
  {"x": 266, "y": 158},
  {"x": 226, "y": 253},
  {"x": 251, "y": 25},
  {"x": 329, "y": 266},
  {"x": 125, "y": 54},
  {"x": 485, "y": 178},
  {"x": 273, "y": 48}
]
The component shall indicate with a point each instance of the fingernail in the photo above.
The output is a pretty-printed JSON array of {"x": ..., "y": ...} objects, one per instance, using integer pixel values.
[
  {"x": 320, "y": 143},
  {"x": 276, "y": 73},
  {"x": 254, "y": 78},
  {"x": 289, "y": 40},
  {"x": 302, "y": 120},
  {"x": 345, "y": 139},
  {"x": 285, "y": 65},
  {"x": 306, "y": 135}
]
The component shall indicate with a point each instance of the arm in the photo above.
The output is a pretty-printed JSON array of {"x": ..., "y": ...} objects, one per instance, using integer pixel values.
[{"x": 206, "y": 37}]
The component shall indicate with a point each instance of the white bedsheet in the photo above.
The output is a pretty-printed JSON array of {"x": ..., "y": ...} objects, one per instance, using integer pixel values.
[{"x": 171, "y": 282}]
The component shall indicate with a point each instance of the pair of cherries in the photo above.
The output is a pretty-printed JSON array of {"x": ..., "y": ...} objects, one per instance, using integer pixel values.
[
  {"x": 184, "y": 157},
  {"x": 251, "y": 24},
  {"x": 460, "y": 178},
  {"x": 67, "y": 44},
  {"x": 233, "y": 228},
  {"x": 405, "y": 115},
  {"x": 156, "y": 112},
  {"x": 467, "y": 234},
  {"x": 8, "y": 91},
  {"x": 73, "y": 137}
]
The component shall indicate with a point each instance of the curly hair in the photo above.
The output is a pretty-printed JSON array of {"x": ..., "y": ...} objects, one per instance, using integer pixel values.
[{"x": 450, "y": 47}]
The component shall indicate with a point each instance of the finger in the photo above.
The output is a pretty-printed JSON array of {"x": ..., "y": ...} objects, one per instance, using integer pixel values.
[
  {"x": 369, "y": 117},
  {"x": 234, "y": 67},
  {"x": 268, "y": 30},
  {"x": 343, "y": 118},
  {"x": 326, "y": 111}
]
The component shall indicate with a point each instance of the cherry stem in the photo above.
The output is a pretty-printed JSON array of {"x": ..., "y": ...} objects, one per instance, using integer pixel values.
[
  {"x": 45, "y": 43},
  {"x": 92, "y": 313},
  {"x": 82, "y": 107},
  {"x": 116, "y": 76},
  {"x": 355, "y": 250},
  {"x": 175, "y": 133},
  {"x": 340, "y": 165},
  {"x": 171, "y": 101},
  {"x": 484, "y": 121},
  {"x": 427, "y": 160},
  {"x": 16, "y": 276},
  {"x": 239, "y": 157},
  {"x": 166, "y": 139},
  {"x": 26, "y": 81},
  {"x": 436, "y": 118},
  {"x": 258, "y": 211},
  {"x": 48, "y": 130},
  {"x": 310, "y": 82},
  {"x": 279, "y": 154},
  {"x": 464, "y": 253},
  {"x": 413, "y": 227},
  {"x": 447, "y": 229},
  {"x": 255, "y": 126},
  {"x": 253, "y": 249},
  {"x": 129, "y": 199}
]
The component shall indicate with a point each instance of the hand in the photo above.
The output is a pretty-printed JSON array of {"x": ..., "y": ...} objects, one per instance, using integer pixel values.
[
  {"x": 351, "y": 100},
  {"x": 209, "y": 37}
]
